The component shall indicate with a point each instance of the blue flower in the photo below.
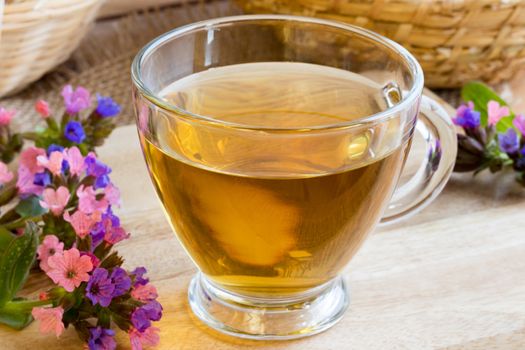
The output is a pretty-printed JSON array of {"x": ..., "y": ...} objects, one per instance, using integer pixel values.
[
  {"x": 42, "y": 179},
  {"x": 467, "y": 117},
  {"x": 101, "y": 339},
  {"x": 74, "y": 132},
  {"x": 509, "y": 142},
  {"x": 65, "y": 166},
  {"x": 54, "y": 148},
  {"x": 102, "y": 181},
  {"x": 107, "y": 107}
]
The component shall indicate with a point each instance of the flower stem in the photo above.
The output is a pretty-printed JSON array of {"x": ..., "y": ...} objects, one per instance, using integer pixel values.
[
  {"x": 20, "y": 222},
  {"x": 25, "y": 305},
  {"x": 32, "y": 136}
]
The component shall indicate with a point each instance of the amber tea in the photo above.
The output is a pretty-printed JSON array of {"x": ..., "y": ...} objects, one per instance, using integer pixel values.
[
  {"x": 287, "y": 218},
  {"x": 275, "y": 143}
]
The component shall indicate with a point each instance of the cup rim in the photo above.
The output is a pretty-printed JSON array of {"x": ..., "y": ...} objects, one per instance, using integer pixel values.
[{"x": 407, "y": 100}]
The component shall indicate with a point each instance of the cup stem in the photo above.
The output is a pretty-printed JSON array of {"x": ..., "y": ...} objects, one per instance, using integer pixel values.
[{"x": 268, "y": 319}]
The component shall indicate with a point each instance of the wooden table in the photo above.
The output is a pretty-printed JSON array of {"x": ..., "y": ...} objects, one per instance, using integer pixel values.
[{"x": 451, "y": 277}]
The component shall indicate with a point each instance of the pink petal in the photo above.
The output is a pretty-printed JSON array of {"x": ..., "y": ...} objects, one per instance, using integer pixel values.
[
  {"x": 49, "y": 242},
  {"x": 42, "y": 107},
  {"x": 67, "y": 91},
  {"x": 6, "y": 116},
  {"x": 75, "y": 160},
  {"x": 144, "y": 292},
  {"x": 84, "y": 264},
  {"x": 496, "y": 112},
  {"x": 50, "y": 319},
  {"x": 112, "y": 194},
  {"x": 28, "y": 158},
  {"x": 62, "y": 195},
  {"x": 5, "y": 174},
  {"x": 70, "y": 258}
]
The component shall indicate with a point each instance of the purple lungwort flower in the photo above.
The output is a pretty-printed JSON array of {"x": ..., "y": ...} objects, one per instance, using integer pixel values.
[
  {"x": 115, "y": 221},
  {"x": 509, "y": 141},
  {"x": 97, "y": 234},
  {"x": 74, "y": 132},
  {"x": 139, "y": 273},
  {"x": 97, "y": 169},
  {"x": 142, "y": 316},
  {"x": 115, "y": 234},
  {"x": 75, "y": 100},
  {"x": 121, "y": 280},
  {"x": 107, "y": 107},
  {"x": 101, "y": 339},
  {"x": 100, "y": 288},
  {"x": 467, "y": 117}
]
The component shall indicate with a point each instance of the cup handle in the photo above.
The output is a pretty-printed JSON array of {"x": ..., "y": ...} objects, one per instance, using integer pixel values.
[{"x": 436, "y": 128}]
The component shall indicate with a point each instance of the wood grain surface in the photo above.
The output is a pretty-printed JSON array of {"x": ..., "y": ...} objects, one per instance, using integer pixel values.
[{"x": 451, "y": 277}]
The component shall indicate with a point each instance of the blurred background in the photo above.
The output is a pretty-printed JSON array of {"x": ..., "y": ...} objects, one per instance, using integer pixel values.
[{"x": 45, "y": 44}]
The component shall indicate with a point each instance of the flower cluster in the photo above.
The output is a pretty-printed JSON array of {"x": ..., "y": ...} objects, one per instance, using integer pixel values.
[
  {"x": 493, "y": 137},
  {"x": 63, "y": 187}
]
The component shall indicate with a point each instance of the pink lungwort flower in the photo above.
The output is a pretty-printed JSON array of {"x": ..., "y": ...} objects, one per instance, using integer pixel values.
[
  {"x": 144, "y": 292},
  {"x": 519, "y": 123},
  {"x": 112, "y": 194},
  {"x": 5, "y": 174},
  {"x": 42, "y": 107},
  {"x": 50, "y": 319},
  {"x": 75, "y": 100},
  {"x": 87, "y": 201},
  {"x": 496, "y": 112},
  {"x": 139, "y": 340},
  {"x": 113, "y": 234},
  {"x": 69, "y": 269},
  {"x": 75, "y": 160},
  {"x": 55, "y": 201},
  {"x": 28, "y": 158},
  {"x": 94, "y": 260},
  {"x": 49, "y": 247},
  {"x": 6, "y": 116},
  {"x": 82, "y": 223},
  {"x": 53, "y": 163},
  {"x": 25, "y": 182}
]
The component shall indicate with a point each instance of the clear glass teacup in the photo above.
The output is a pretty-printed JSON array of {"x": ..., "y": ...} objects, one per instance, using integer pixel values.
[{"x": 275, "y": 144}]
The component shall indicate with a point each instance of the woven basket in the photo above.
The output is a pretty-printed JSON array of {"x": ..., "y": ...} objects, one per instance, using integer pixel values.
[
  {"x": 34, "y": 38},
  {"x": 455, "y": 41}
]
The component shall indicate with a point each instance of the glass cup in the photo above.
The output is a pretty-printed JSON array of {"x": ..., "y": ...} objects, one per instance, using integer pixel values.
[{"x": 271, "y": 208}]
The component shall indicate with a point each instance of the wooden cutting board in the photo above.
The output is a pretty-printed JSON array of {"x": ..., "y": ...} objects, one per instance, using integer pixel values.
[{"x": 451, "y": 277}]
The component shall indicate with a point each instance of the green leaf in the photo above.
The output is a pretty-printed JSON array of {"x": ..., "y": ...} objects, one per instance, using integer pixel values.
[
  {"x": 30, "y": 207},
  {"x": 7, "y": 194},
  {"x": 505, "y": 123},
  {"x": 480, "y": 94},
  {"x": 15, "y": 318},
  {"x": 5, "y": 238},
  {"x": 16, "y": 261}
]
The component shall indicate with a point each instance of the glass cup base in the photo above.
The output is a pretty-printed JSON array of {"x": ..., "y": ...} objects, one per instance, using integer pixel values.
[{"x": 267, "y": 319}]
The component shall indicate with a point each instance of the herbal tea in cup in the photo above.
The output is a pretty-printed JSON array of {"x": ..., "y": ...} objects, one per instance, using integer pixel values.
[{"x": 273, "y": 162}]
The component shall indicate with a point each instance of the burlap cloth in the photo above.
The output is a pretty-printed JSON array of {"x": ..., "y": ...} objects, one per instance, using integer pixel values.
[{"x": 102, "y": 61}]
